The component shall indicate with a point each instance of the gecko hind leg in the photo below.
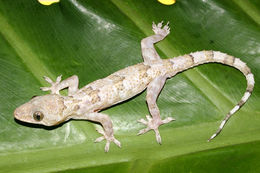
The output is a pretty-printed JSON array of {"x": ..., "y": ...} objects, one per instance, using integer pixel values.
[
  {"x": 147, "y": 44},
  {"x": 153, "y": 123}
]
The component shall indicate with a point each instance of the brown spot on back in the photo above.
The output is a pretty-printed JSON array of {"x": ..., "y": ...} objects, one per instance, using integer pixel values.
[
  {"x": 119, "y": 85},
  {"x": 92, "y": 93},
  {"x": 87, "y": 90},
  {"x": 115, "y": 78},
  {"x": 143, "y": 67},
  {"x": 94, "y": 96},
  {"x": 168, "y": 65},
  {"x": 142, "y": 70}
]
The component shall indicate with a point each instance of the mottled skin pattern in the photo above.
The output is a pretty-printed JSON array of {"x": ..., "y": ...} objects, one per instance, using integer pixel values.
[{"x": 85, "y": 103}]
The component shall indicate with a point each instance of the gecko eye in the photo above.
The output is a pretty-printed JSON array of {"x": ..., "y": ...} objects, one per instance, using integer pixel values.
[{"x": 38, "y": 116}]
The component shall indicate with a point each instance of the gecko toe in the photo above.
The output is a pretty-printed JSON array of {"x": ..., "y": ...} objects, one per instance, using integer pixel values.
[
  {"x": 99, "y": 139},
  {"x": 142, "y": 121},
  {"x": 100, "y": 132},
  {"x": 58, "y": 79},
  {"x": 107, "y": 146},
  {"x": 158, "y": 136},
  {"x": 48, "y": 79},
  {"x": 117, "y": 143},
  {"x": 113, "y": 139},
  {"x": 45, "y": 88},
  {"x": 167, "y": 120},
  {"x": 143, "y": 131}
]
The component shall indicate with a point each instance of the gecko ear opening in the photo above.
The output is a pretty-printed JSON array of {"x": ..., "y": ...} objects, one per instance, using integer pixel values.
[{"x": 38, "y": 116}]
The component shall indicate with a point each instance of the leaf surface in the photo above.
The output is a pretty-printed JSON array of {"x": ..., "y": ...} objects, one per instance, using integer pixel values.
[{"x": 93, "y": 39}]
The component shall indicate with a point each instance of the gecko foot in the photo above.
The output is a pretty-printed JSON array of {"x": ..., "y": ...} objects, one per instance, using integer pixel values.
[
  {"x": 157, "y": 29},
  {"x": 153, "y": 124},
  {"x": 109, "y": 139},
  {"x": 54, "y": 85}
]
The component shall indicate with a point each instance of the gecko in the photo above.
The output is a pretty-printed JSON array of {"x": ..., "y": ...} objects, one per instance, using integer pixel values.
[{"x": 88, "y": 102}]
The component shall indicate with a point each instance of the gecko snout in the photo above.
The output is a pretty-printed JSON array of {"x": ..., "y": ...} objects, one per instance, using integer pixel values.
[
  {"x": 16, "y": 113},
  {"x": 21, "y": 112}
]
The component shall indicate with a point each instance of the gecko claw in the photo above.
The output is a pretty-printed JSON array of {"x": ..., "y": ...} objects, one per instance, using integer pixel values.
[
  {"x": 157, "y": 29},
  {"x": 153, "y": 124},
  {"x": 108, "y": 139},
  {"x": 54, "y": 85}
]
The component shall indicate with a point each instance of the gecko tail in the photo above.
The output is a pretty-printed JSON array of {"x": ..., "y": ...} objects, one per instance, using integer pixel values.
[
  {"x": 250, "y": 85},
  {"x": 191, "y": 60},
  {"x": 240, "y": 65}
]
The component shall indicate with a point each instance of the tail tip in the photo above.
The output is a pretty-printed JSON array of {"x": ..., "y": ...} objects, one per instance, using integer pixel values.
[{"x": 212, "y": 137}]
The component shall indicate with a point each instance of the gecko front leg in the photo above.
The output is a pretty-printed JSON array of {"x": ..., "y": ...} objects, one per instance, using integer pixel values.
[
  {"x": 153, "y": 90},
  {"x": 149, "y": 53},
  {"x": 105, "y": 121},
  {"x": 71, "y": 83}
]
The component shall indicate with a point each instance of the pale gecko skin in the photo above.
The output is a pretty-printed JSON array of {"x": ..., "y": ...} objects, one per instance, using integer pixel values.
[{"x": 87, "y": 102}]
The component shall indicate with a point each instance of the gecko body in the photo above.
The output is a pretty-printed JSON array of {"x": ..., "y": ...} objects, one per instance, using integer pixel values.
[{"x": 87, "y": 102}]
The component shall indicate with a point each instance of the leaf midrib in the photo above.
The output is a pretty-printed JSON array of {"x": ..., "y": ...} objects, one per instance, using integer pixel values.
[{"x": 30, "y": 59}]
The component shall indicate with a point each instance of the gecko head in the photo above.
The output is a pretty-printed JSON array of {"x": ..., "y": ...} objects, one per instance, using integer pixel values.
[{"x": 46, "y": 110}]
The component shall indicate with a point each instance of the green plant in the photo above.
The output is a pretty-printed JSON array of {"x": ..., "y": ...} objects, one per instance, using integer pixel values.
[{"x": 92, "y": 39}]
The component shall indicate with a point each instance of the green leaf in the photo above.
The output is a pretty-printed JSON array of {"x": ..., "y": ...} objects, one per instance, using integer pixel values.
[{"x": 93, "y": 39}]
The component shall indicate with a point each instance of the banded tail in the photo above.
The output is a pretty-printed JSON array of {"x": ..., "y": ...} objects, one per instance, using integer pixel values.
[{"x": 193, "y": 59}]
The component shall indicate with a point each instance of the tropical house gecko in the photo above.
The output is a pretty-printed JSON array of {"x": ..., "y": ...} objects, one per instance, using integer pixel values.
[{"x": 87, "y": 102}]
